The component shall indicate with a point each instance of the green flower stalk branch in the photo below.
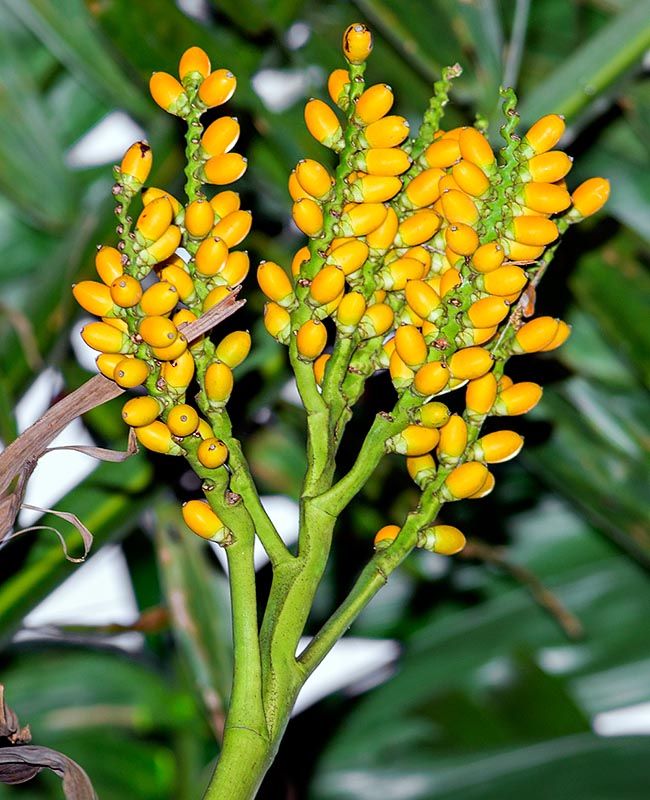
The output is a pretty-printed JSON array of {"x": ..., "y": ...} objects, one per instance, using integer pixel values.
[{"x": 424, "y": 252}]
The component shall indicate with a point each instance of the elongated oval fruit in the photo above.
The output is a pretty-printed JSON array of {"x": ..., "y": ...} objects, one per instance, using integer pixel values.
[
  {"x": 337, "y": 84},
  {"x": 549, "y": 167},
  {"x": 211, "y": 256},
  {"x": 179, "y": 372},
  {"x": 383, "y": 161},
  {"x": 105, "y": 338},
  {"x": 106, "y": 363},
  {"x": 422, "y": 298},
  {"x": 383, "y": 236},
  {"x": 313, "y": 178},
  {"x": 504, "y": 281},
  {"x": 159, "y": 299},
  {"x": 158, "y": 331},
  {"x": 458, "y": 207},
  {"x": 311, "y": 339},
  {"x": 442, "y": 153},
  {"x": 488, "y": 257},
  {"x": 277, "y": 322},
  {"x": 234, "y": 227},
  {"x": 545, "y": 198},
  {"x": 534, "y": 230},
  {"x": 421, "y": 468},
  {"x": 470, "y": 363},
  {"x": 446, "y": 540},
  {"x": 274, "y": 282},
  {"x": 181, "y": 280},
  {"x": 223, "y": 169},
  {"x": 535, "y": 335},
  {"x": 308, "y": 216},
  {"x": 497, "y": 447},
  {"x": 417, "y": 228},
  {"x": 168, "y": 93},
  {"x": 431, "y": 379},
  {"x": 194, "y": 61},
  {"x": 220, "y": 136},
  {"x": 94, "y": 297},
  {"x": 464, "y": 480},
  {"x": 108, "y": 263},
  {"x": 414, "y": 440},
  {"x": 386, "y": 132},
  {"x": 433, "y": 415},
  {"x": 182, "y": 420},
  {"x": 476, "y": 149},
  {"x": 151, "y": 193},
  {"x": 544, "y": 134},
  {"x": 377, "y": 320},
  {"x": 362, "y": 218},
  {"x": 234, "y": 348},
  {"x": 217, "y": 88},
  {"x": 218, "y": 384},
  {"x": 350, "y": 310},
  {"x": 470, "y": 178},
  {"x": 410, "y": 345},
  {"x": 163, "y": 247},
  {"x": 590, "y": 196},
  {"x": 375, "y": 188},
  {"x": 172, "y": 351},
  {"x": 481, "y": 394},
  {"x": 519, "y": 398},
  {"x": 357, "y": 43},
  {"x": 400, "y": 373},
  {"x": 212, "y": 453},
  {"x": 199, "y": 218},
  {"x": 374, "y": 103},
  {"x": 461, "y": 239},
  {"x": 154, "y": 219},
  {"x": 140, "y": 411},
  {"x": 130, "y": 372},
  {"x": 349, "y": 256},
  {"x": 327, "y": 284},
  {"x": 488, "y": 311},
  {"x": 236, "y": 267},
  {"x": 323, "y": 124},
  {"x": 398, "y": 273},
  {"x": 423, "y": 189},
  {"x": 225, "y": 202},
  {"x": 157, "y": 437},
  {"x": 453, "y": 440},
  {"x": 202, "y": 520},
  {"x": 136, "y": 163}
]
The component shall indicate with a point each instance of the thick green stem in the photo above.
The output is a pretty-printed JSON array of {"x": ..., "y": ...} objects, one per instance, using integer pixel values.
[{"x": 244, "y": 760}]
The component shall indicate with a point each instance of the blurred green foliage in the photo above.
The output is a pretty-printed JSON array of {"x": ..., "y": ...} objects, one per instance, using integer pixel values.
[{"x": 490, "y": 699}]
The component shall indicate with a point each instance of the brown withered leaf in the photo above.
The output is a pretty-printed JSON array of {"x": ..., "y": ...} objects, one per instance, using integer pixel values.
[
  {"x": 23, "y": 762},
  {"x": 9, "y": 725}
]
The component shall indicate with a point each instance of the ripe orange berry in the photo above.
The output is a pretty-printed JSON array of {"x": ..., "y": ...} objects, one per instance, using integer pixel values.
[
  {"x": 106, "y": 363},
  {"x": 386, "y": 535},
  {"x": 225, "y": 168},
  {"x": 179, "y": 372},
  {"x": 323, "y": 124},
  {"x": 220, "y": 136},
  {"x": 519, "y": 398},
  {"x": 417, "y": 228},
  {"x": 535, "y": 335},
  {"x": 458, "y": 207},
  {"x": 154, "y": 219},
  {"x": 217, "y": 88},
  {"x": 194, "y": 60},
  {"x": 141, "y": 411},
  {"x": 446, "y": 540},
  {"x": 105, "y": 338},
  {"x": 157, "y": 437},
  {"x": 218, "y": 384},
  {"x": 464, "y": 480},
  {"x": 431, "y": 379},
  {"x": 383, "y": 236},
  {"x": 313, "y": 178},
  {"x": 422, "y": 298},
  {"x": 377, "y": 320},
  {"x": 172, "y": 351},
  {"x": 181, "y": 280},
  {"x": 386, "y": 132},
  {"x": 277, "y": 322},
  {"x": 182, "y": 420},
  {"x": 534, "y": 230},
  {"x": 545, "y": 133},
  {"x": 488, "y": 311},
  {"x": 214, "y": 297},
  {"x": 233, "y": 228},
  {"x": 125, "y": 291},
  {"x": 202, "y": 521},
  {"x": 199, "y": 218},
  {"x": 488, "y": 257},
  {"x": 481, "y": 394},
  {"x": 130, "y": 372},
  {"x": 94, "y": 297},
  {"x": 234, "y": 348},
  {"x": 410, "y": 345},
  {"x": 362, "y": 218},
  {"x": 549, "y": 167},
  {"x": 470, "y": 363},
  {"x": 211, "y": 256},
  {"x": 470, "y": 178},
  {"x": 350, "y": 310},
  {"x": 224, "y": 202},
  {"x": 375, "y": 102},
  {"x": 423, "y": 189},
  {"x": 374, "y": 188},
  {"x": 311, "y": 339},
  {"x": 136, "y": 164},
  {"x": 461, "y": 239},
  {"x": 497, "y": 447},
  {"x": 504, "y": 281},
  {"x": 545, "y": 198},
  {"x": 442, "y": 153},
  {"x": 319, "y": 367},
  {"x": 168, "y": 93},
  {"x": 275, "y": 282},
  {"x": 476, "y": 149},
  {"x": 159, "y": 299},
  {"x": 337, "y": 84},
  {"x": 108, "y": 263},
  {"x": 349, "y": 256},
  {"x": 453, "y": 440},
  {"x": 308, "y": 216},
  {"x": 590, "y": 196},
  {"x": 357, "y": 43},
  {"x": 383, "y": 161},
  {"x": 449, "y": 281},
  {"x": 157, "y": 331},
  {"x": 421, "y": 468},
  {"x": 236, "y": 268},
  {"x": 212, "y": 453},
  {"x": 328, "y": 283}
]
